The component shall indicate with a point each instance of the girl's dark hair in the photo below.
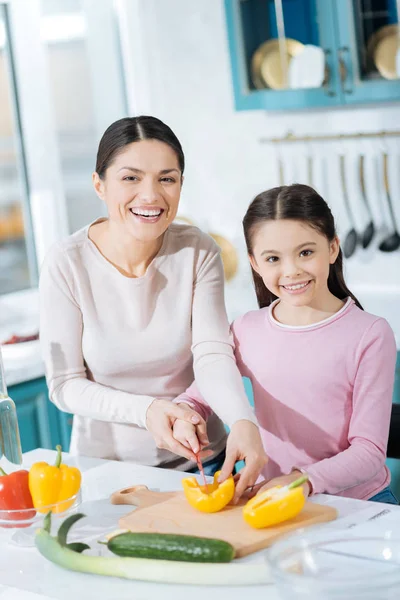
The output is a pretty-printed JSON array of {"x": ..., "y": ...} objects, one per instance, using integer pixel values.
[
  {"x": 134, "y": 129},
  {"x": 297, "y": 202}
]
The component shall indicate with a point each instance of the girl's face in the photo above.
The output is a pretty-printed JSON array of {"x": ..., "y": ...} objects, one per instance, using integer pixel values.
[
  {"x": 142, "y": 188},
  {"x": 293, "y": 260}
]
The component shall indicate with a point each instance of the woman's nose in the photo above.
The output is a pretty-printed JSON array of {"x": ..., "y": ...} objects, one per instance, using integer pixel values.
[{"x": 149, "y": 191}]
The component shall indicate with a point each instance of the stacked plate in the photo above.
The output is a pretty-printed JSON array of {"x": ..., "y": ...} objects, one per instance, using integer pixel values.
[
  {"x": 383, "y": 51},
  {"x": 288, "y": 64}
]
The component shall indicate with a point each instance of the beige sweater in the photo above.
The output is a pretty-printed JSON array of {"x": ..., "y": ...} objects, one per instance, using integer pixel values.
[{"x": 111, "y": 344}]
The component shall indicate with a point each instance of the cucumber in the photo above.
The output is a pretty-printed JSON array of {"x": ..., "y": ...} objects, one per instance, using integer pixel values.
[{"x": 166, "y": 546}]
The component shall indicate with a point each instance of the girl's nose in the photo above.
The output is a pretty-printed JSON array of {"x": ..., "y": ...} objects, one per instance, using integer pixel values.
[{"x": 291, "y": 269}]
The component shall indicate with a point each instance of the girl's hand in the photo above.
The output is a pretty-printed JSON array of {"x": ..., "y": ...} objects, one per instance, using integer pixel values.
[
  {"x": 161, "y": 417},
  {"x": 244, "y": 443},
  {"x": 193, "y": 437},
  {"x": 283, "y": 480}
]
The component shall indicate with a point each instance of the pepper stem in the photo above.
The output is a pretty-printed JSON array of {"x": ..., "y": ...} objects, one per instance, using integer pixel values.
[
  {"x": 58, "y": 458},
  {"x": 298, "y": 482},
  {"x": 2, "y": 472}
]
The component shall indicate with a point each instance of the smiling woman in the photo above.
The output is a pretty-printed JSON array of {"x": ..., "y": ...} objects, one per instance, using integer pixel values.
[{"x": 132, "y": 307}]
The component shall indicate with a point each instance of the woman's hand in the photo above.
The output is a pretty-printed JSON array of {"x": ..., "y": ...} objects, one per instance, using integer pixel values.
[
  {"x": 282, "y": 480},
  {"x": 244, "y": 443},
  {"x": 161, "y": 418}
]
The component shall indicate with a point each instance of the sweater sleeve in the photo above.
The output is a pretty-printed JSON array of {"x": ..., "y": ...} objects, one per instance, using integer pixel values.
[
  {"x": 217, "y": 376},
  {"x": 370, "y": 420},
  {"x": 61, "y": 327}
]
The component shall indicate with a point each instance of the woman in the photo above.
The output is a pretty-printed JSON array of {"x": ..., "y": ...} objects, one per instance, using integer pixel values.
[{"x": 132, "y": 307}]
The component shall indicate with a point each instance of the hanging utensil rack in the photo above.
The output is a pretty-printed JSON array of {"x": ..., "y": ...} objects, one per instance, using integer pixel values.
[{"x": 290, "y": 137}]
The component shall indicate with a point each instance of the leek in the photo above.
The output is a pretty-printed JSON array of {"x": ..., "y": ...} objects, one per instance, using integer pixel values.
[{"x": 69, "y": 556}]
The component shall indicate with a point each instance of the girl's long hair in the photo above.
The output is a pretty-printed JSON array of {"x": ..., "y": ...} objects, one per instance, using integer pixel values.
[{"x": 296, "y": 202}]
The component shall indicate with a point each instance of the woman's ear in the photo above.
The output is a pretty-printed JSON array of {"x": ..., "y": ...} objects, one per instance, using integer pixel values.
[
  {"x": 98, "y": 185},
  {"x": 254, "y": 264},
  {"x": 334, "y": 248}
]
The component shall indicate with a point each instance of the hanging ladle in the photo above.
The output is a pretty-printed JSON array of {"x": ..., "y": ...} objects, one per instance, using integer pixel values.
[
  {"x": 369, "y": 231},
  {"x": 351, "y": 239},
  {"x": 392, "y": 241}
]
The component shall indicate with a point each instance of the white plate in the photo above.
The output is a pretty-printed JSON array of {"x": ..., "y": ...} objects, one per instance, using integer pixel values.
[{"x": 307, "y": 69}]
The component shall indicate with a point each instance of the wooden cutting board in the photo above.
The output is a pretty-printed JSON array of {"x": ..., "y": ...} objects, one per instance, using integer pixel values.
[{"x": 169, "y": 512}]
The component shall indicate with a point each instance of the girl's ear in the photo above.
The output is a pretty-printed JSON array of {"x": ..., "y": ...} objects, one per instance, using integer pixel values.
[
  {"x": 254, "y": 264},
  {"x": 334, "y": 248},
  {"x": 98, "y": 185}
]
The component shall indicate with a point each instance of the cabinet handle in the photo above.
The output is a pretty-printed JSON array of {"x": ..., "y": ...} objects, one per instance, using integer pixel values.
[
  {"x": 327, "y": 79},
  {"x": 344, "y": 53}
]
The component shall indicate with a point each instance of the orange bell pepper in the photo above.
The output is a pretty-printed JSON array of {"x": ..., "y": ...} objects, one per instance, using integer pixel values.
[{"x": 211, "y": 499}]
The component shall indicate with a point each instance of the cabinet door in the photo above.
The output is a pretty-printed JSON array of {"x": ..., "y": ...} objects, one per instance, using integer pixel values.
[
  {"x": 32, "y": 411},
  {"x": 41, "y": 424},
  {"x": 267, "y": 83},
  {"x": 368, "y": 42}
]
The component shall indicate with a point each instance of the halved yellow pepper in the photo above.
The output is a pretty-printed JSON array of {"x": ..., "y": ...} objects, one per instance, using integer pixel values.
[
  {"x": 210, "y": 500},
  {"x": 276, "y": 505}
]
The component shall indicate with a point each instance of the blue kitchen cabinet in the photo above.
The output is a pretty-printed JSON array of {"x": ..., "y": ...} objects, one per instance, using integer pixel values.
[
  {"x": 356, "y": 24},
  {"x": 342, "y": 28},
  {"x": 41, "y": 424}
]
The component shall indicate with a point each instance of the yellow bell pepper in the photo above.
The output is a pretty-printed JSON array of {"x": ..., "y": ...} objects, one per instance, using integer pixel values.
[
  {"x": 52, "y": 484},
  {"x": 210, "y": 500},
  {"x": 276, "y": 505}
]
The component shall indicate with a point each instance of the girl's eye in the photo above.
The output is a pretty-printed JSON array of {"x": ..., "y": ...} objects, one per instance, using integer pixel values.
[
  {"x": 272, "y": 259},
  {"x": 168, "y": 179},
  {"x": 306, "y": 253}
]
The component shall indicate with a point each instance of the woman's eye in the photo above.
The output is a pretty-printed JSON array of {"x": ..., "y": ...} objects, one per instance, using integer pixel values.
[
  {"x": 306, "y": 253},
  {"x": 272, "y": 259},
  {"x": 168, "y": 179},
  {"x": 130, "y": 178}
]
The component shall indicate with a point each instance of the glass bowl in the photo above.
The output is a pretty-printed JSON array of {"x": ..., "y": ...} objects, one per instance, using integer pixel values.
[
  {"x": 328, "y": 565},
  {"x": 22, "y": 524}
]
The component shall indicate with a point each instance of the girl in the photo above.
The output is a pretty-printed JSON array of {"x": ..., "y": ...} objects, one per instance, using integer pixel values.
[{"x": 322, "y": 369}]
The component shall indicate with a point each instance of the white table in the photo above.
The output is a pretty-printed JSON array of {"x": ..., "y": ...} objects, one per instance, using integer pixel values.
[{"x": 26, "y": 575}]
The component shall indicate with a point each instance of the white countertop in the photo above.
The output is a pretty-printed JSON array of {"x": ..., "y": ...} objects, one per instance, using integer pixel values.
[{"x": 26, "y": 575}]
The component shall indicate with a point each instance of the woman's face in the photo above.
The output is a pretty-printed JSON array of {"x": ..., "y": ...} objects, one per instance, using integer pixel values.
[{"x": 141, "y": 189}]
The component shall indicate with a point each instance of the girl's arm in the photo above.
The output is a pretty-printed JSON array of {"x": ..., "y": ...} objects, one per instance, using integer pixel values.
[{"x": 370, "y": 420}]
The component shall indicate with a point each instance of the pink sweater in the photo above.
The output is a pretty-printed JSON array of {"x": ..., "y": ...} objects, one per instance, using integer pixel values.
[{"x": 322, "y": 395}]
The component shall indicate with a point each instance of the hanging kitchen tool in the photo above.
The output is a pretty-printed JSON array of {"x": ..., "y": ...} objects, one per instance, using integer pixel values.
[
  {"x": 10, "y": 443},
  {"x": 392, "y": 241},
  {"x": 351, "y": 237},
  {"x": 369, "y": 231}
]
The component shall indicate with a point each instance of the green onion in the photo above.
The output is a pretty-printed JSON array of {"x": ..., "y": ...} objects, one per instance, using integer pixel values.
[{"x": 69, "y": 556}]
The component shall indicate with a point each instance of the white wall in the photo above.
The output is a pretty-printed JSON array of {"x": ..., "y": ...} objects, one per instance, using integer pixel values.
[{"x": 180, "y": 72}]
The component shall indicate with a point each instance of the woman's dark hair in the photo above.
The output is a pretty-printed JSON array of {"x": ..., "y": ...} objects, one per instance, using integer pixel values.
[
  {"x": 297, "y": 202},
  {"x": 134, "y": 129}
]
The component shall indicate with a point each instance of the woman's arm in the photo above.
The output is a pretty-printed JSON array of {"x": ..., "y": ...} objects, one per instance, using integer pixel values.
[
  {"x": 61, "y": 327},
  {"x": 370, "y": 420},
  {"x": 216, "y": 373}
]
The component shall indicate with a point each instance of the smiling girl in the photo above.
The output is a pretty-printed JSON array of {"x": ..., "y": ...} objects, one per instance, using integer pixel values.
[{"x": 322, "y": 369}]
